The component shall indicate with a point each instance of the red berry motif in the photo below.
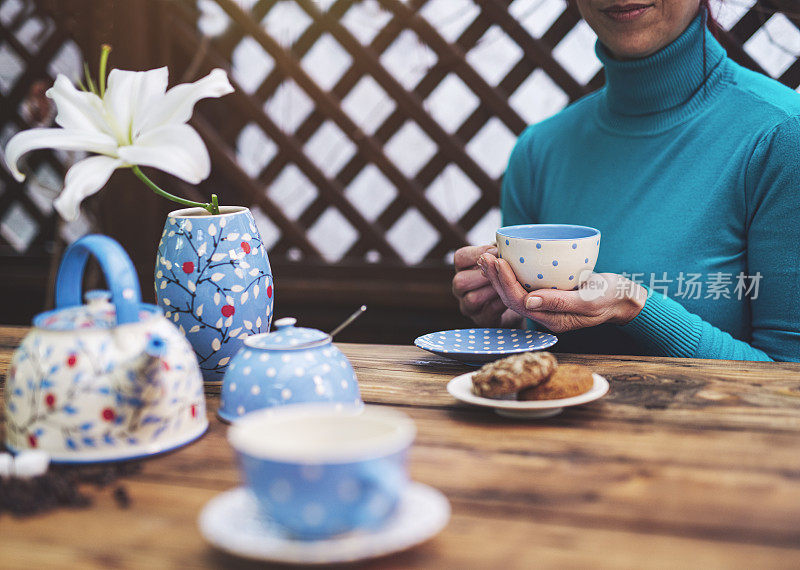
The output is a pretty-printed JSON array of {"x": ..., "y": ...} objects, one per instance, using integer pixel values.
[
  {"x": 72, "y": 360},
  {"x": 245, "y": 247},
  {"x": 32, "y": 441},
  {"x": 165, "y": 365},
  {"x": 227, "y": 310},
  {"x": 194, "y": 410},
  {"x": 108, "y": 414},
  {"x": 188, "y": 266},
  {"x": 269, "y": 291},
  {"x": 50, "y": 400}
]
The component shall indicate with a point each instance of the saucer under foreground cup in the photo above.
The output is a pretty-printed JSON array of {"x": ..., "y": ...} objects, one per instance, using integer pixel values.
[
  {"x": 231, "y": 523},
  {"x": 478, "y": 346}
]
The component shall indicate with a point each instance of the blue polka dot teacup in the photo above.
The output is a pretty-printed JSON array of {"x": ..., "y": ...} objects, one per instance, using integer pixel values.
[
  {"x": 549, "y": 256},
  {"x": 292, "y": 365},
  {"x": 318, "y": 472}
]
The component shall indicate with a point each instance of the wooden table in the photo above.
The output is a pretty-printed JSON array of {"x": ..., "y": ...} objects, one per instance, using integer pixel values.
[{"x": 685, "y": 463}]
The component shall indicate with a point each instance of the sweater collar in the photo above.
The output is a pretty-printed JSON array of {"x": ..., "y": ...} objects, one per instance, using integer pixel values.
[{"x": 666, "y": 80}]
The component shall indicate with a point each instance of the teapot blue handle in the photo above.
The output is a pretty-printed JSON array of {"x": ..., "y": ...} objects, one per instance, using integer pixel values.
[{"x": 117, "y": 268}]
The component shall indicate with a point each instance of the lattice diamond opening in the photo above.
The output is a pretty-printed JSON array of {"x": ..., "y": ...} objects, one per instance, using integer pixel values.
[
  {"x": 270, "y": 233},
  {"x": 292, "y": 191},
  {"x": 289, "y": 106},
  {"x": 254, "y": 150},
  {"x": 775, "y": 57},
  {"x": 370, "y": 192},
  {"x": 332, "y": 234},
  {"x": 329, "y": 148},
  {"x": 484, "y": 231},
  {"x": 12, "y": 68},
  {"x": 408, "y": 59},
  {"x": 538, "y": 97},
  {"x": 410, "y": 148},
  {"x": 251, "y": 64},
  {"x": 450, "y": 17},
  {"x": 368, "y": 105},
  {"x": 365, "y": 20},
  {"x": 491, "y": 147},
  {"x": 453, "y": 193},
  {"x": 451, "y": 102},
  {"x": 536, "y": 16},
  {"x": 576, "y": 54},
  {"x": 326, "y": 61},
  {"x": 286, "y": 22},
  {"x": 494, "y": 55},
  {"x": 412, "y": 236},
  {"x": 18, "y": 227}
]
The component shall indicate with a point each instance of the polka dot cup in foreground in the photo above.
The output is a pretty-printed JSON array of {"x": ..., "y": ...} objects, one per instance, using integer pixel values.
[
  {"x": 318, "y": 472},
  {"x": 476, "y": 346},
  {"x": 549, "y": 256},
  {"x": 292, "y": 365}
]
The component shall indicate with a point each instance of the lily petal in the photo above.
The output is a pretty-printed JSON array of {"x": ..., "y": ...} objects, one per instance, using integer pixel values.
[
  {"x": 64, "y": 139},
  {"x": 177, "y": 105},
  {"x": 129, "y": 94},
  {"x": 85, "y": 178},
  {"x": 78, "y": 110},
  {"x": 176, "y": 149}
]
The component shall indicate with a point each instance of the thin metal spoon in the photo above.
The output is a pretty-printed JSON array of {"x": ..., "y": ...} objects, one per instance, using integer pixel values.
[{"x": 348, "y": 320}]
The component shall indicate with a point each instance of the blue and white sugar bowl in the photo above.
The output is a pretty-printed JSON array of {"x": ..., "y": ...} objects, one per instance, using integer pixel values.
[{"x": 291, "y": 365}]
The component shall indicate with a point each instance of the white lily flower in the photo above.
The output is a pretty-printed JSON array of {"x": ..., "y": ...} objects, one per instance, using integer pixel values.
[{"x": 137, "y": 122}]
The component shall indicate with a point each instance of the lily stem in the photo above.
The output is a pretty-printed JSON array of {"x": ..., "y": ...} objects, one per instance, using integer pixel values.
[{"x": 212, "y": 207}]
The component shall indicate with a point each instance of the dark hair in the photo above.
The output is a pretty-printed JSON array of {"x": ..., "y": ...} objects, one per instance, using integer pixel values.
[{"x": 711, "y": 22}]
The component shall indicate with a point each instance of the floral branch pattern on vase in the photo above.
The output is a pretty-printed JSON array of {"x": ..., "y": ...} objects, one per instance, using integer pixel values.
[{"x": 213, "y": 279}]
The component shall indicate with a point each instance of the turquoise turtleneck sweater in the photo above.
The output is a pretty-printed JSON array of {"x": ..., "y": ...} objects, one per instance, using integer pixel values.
[{"x": 691, "y": 171}]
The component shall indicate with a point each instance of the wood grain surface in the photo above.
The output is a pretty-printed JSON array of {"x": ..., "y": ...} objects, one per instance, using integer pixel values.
[{"x": 685, "y": 463}]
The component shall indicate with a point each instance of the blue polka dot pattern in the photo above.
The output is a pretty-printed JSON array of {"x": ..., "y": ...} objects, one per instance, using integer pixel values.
[
  {"x": 538, "y": 246},
  {"x": 586, "y": 260},
  {"x": 540, "y": 276},
  {"x": 574, "y": 246},
  {"x": 522, "y": 260},
  {"x": 555, "y": 263},
  {"x": 571, "y": 277},
  {"x": 471, "y": 344},
  {"x": 507, "y": 243}
]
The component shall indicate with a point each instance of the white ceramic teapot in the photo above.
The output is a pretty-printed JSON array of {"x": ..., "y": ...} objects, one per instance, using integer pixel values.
[{"x": 103, "y": 381}]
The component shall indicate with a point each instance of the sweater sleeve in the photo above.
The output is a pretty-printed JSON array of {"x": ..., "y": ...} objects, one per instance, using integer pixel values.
[{"x": 773, "y": 236}]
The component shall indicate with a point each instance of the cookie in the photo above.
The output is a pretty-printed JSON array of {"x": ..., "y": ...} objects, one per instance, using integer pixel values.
[
  {"x": 512, "y": 374},
  {"x": 568, "y": 380}
]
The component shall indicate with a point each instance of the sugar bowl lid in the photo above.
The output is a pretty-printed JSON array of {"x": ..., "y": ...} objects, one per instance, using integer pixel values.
[{"x": 288, "y": 337}]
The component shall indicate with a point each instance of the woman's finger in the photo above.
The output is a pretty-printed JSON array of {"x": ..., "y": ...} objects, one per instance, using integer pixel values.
[
  {"x": 468, "y": 280},
  {"x": 467, "y": 257},
  {"x": 473, "y": 301},
  {"x": 557, "y": 301}
]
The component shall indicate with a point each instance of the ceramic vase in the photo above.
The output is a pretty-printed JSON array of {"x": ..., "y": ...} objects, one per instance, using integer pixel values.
[{"x": 214, "y": 281}]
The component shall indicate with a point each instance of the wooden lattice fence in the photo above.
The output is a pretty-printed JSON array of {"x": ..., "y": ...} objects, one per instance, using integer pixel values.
[{"x": 369, "y": 137}]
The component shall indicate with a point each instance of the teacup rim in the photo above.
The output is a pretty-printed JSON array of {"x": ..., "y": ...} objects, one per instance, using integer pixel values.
[
  {"x": 400, "y": 439},
  {"x": 594, "y": 235}
]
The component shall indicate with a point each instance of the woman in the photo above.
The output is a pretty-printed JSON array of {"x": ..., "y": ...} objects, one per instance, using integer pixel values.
[{"x": 689, "y": 166}]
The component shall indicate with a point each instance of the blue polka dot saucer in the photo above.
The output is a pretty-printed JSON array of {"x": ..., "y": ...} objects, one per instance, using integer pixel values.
[
  {"x": 231, "y": 522},
  {"x": 478, "y": 346}
]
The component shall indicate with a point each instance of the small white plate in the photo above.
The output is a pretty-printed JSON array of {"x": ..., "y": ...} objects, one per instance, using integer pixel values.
[
  {"x": 231, "y": 522},
  {"x": 460, "y": 388}
]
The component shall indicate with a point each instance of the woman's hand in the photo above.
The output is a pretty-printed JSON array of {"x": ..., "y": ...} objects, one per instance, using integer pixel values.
[
  {"x": 477, "y": 299},
  {"x": 603, "y": 298}
]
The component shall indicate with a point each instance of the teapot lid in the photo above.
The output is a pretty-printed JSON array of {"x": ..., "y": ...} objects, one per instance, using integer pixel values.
[
  {"x": 97, "y": 313},
  {"x": 288, "y": 337}
]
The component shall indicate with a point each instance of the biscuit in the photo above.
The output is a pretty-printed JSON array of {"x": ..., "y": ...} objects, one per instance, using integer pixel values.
[
  {"x": 510, "y": 375},
  {"x": 568, "y": 380}
]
